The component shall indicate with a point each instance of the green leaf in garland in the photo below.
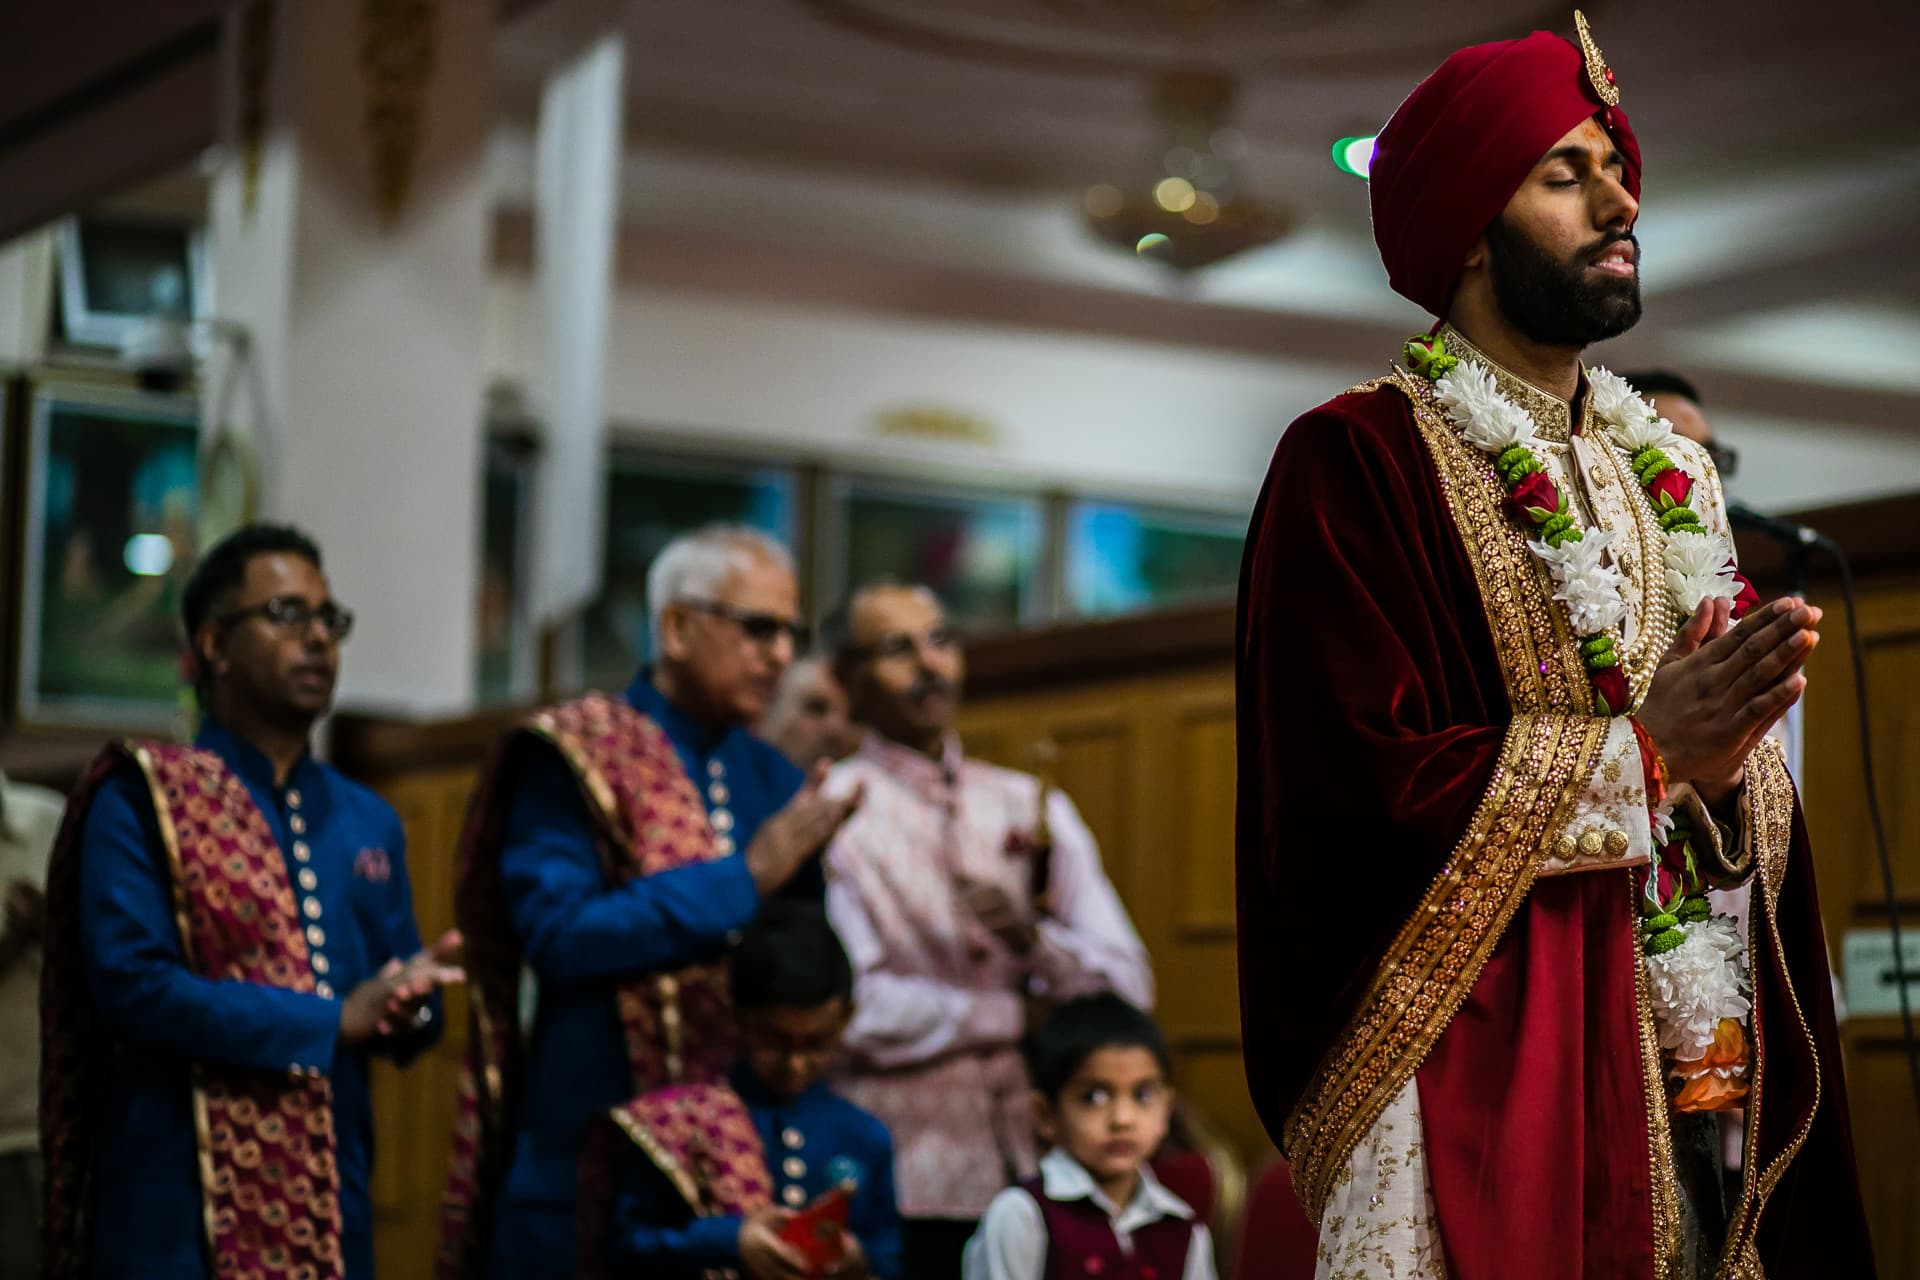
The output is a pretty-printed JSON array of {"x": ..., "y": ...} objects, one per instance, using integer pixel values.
[
  {"x": 1680, "y": 519},
  {"x": 1651, "y": 458},
  {"x": 1426, "y": 355},
  {"x": 1661, "y": 943}
]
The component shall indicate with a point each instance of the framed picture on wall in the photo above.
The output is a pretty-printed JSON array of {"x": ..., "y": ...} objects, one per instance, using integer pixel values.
[
  {"x": 111, "y": 504},
  {"x": 1126, "y": 557},
  {"x": 983, "y": 552}
]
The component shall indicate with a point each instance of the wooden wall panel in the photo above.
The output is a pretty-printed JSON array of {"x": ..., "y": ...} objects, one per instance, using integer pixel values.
[
  {"x": 413, "y": 1107},
  {"x": 1149, "y": 761},
  {"x": 1886, "y": 1128}
]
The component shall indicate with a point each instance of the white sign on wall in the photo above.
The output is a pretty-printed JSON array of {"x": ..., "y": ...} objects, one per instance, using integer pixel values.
[{"x": 1867, "y": 958}]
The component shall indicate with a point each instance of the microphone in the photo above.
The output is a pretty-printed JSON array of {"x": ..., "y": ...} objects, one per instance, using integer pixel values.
[{"x": 1790, "y": 532}]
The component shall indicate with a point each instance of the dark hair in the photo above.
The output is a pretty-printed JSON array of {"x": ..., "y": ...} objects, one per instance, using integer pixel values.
[
  {"x": 836, "y": 629},
  {"x": 1662, "y": 382},
  {"x": 221, "y": 571},
  {"x": 1081, "y": 1028},
  {"x": 790, "y": 957}
]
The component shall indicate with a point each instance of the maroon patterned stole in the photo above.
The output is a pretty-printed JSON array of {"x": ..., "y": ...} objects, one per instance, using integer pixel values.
[
  {"x": 269, "y": 1185},
  {"x": 679, "y": 1026},
  {"x": 701, "y": 1137}
]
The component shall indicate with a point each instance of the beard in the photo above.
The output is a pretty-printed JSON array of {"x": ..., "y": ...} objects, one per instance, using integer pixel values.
[{"x": 1555, "y": 303}]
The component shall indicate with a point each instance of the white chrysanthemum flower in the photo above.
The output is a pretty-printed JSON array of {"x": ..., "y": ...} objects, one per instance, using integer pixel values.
[
  {"x": 1662, "y": 823},
  {"x": 1489, "y": 420},
  {"x": 1699, "y": 568},
  {"x": 1587, "y": 584},
  {"x": 1630, "y": 420},
  {"x": 1696, "y": 984}
]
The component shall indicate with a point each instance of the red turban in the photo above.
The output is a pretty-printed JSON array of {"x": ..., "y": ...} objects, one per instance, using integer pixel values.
[{"x": 1461, "y": 145}]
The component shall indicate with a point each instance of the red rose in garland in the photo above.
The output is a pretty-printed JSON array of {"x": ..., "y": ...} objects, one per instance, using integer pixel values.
[
  {"x": 1671, "y": 488},
  {"x": 1747, "y": 598},
  {"x": 1536, "y": 497},
  {"x": 1610, "y": 690}
]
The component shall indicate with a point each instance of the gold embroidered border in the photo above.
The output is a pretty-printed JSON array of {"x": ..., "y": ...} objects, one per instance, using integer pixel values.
[
  {"x": 597, "y": 790},
  {"x": 1539, "y": 655},
  {"x": 664, "y": 1160},
  {"x": 1433, "y": 963},
  {"x": 202, "y": 1124},
  {"x": 1552, "y": 747},
  {"x": 1667, "y": 1242},
  {"x": 1767, "y": 810}
]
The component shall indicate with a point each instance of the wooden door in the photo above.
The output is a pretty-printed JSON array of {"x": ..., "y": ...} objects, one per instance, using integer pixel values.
[{"x": 1150, "y": 764}]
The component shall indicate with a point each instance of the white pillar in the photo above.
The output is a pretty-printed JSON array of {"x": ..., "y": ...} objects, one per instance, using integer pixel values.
[{"x": 368, "y": 327}]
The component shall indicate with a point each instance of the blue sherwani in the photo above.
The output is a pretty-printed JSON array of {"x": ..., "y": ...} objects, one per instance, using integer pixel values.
[
  {"x": 813, "y": 1143},
  {"x": 581, "y": 939},
  {"x": 162, "y": 1017}
]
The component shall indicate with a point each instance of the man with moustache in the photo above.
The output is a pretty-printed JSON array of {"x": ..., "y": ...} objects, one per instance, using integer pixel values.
[
  {"x": 1503, "y": 706},
  {"x": 959, "y": 898},
  {"x": 614, "y": 849},
  {"x": 229, "y": 939}
]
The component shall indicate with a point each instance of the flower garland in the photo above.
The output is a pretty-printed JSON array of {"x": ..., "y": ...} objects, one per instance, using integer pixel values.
[
  {"x": 1696, "y": 968},
  {"x": 1700, "y": 565},
  {"x": 1697, "y": 978}
]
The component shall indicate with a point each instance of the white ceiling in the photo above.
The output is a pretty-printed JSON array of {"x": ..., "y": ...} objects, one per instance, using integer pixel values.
[{"x": 895, "y": 142}]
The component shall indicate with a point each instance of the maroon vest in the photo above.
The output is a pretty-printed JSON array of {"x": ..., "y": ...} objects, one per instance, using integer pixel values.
[{"x": 1081, "y": 1244}]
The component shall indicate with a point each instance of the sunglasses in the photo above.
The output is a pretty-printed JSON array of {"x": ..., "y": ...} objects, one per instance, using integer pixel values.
[
  {"x": 295, "y": 613},
  {"x": 761, "y": 628}
]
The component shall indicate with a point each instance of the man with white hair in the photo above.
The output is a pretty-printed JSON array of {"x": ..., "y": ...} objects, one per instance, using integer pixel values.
[{"x": 614, "y": 849}]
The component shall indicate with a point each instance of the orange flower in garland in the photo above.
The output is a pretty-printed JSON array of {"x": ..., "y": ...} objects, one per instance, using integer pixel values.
[{"x": 1717, "y": 1081}]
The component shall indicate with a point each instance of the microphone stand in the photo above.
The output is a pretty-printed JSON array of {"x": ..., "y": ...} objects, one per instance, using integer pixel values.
[{"x": 1798, "y": 541}]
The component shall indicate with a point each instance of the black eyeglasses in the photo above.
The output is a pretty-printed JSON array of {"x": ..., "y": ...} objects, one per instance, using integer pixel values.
[
  {"x": 296, "y": 613},
  {"x": 761, "y": 628},
  {"x": 900, "y": 644}
]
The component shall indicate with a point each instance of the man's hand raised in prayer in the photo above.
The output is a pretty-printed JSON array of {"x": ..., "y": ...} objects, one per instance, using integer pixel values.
[
  {"x": 787, "y": 839},
  {"x": 1720, "y": 688},
  {"x": 392, "y": 999}
]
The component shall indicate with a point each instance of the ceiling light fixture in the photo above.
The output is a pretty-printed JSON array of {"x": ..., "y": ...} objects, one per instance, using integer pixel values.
[{"x": 1188, "y": 211}]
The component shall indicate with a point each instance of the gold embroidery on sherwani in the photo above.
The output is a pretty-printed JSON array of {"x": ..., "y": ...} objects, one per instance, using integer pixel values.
[
  {"x": 1667, "y": 1241},
  {"x": 1767, "y": 813},
  {"x": 1552, "y": 746}
]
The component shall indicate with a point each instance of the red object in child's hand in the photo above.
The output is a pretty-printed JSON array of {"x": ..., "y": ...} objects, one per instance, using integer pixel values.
[{"x": 818, "y": 1231}]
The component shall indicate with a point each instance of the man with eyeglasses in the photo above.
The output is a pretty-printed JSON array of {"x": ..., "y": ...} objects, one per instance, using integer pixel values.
[
  {"x": 230, "y": 938},
  {"x": 966, "y": 894},
  {"x": 615, "y": 847}
]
